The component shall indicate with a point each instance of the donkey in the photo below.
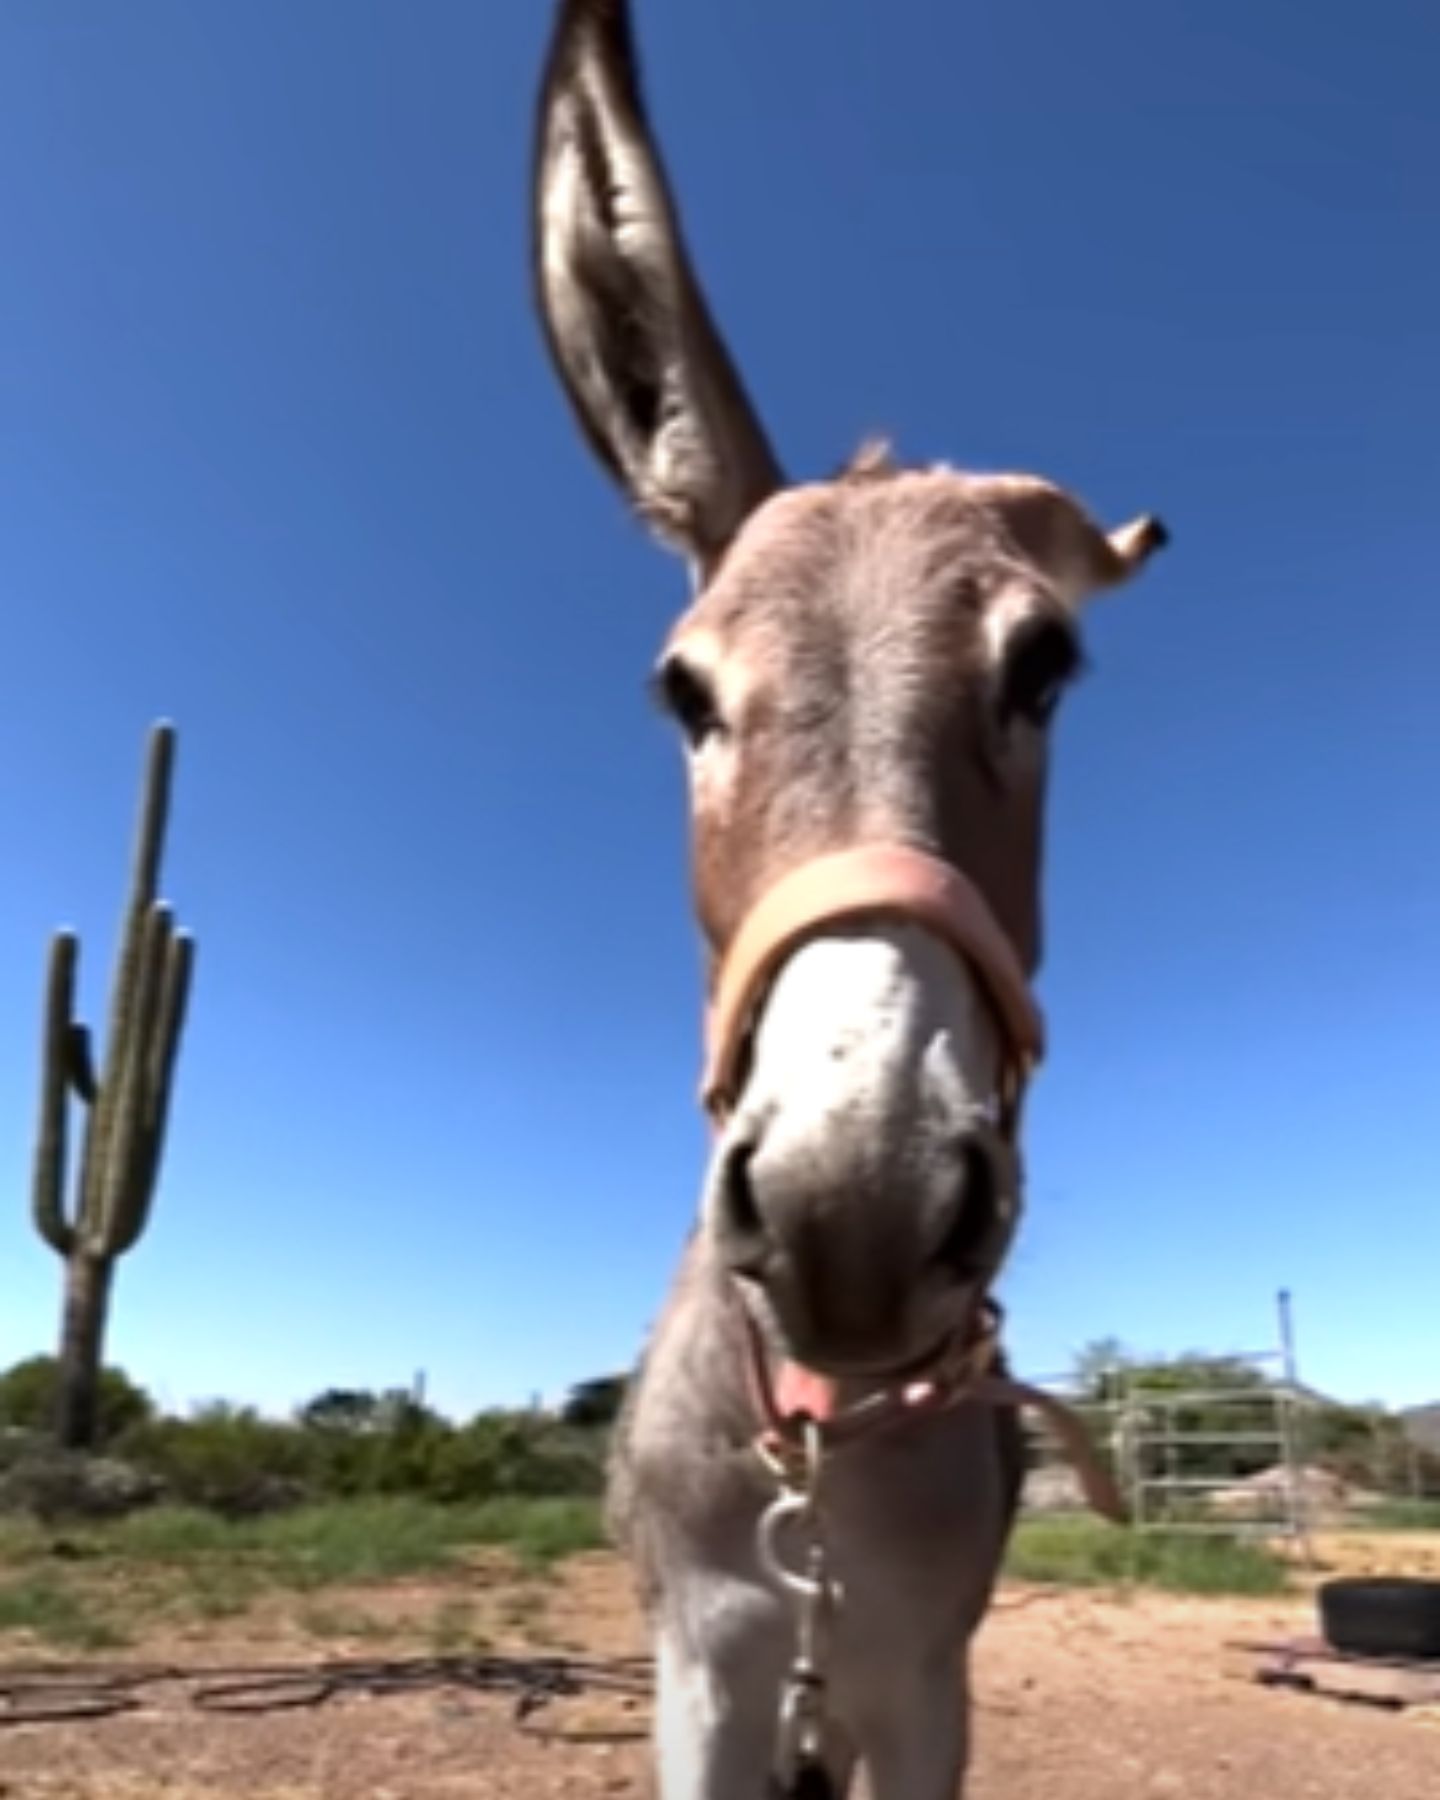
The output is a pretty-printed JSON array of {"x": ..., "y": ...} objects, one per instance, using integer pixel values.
[{"x": 864, "y": 681}]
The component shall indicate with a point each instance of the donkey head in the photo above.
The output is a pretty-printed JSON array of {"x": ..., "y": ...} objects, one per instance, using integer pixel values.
[{"x": 872, "y": 659}]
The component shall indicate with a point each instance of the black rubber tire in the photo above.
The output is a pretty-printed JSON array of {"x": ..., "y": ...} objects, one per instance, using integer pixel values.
[{"x": 1369, "y": 1616}]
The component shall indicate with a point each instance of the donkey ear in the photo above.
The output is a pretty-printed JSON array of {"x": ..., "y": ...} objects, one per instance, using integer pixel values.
[{"x": 638, "y": 354}]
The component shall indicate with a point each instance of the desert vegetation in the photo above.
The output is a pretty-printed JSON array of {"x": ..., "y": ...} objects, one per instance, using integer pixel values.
[{"x": 170, "y": 1521}]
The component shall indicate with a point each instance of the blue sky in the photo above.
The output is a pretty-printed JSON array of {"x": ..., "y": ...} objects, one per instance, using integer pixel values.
[{"x": 281, "y": 458}]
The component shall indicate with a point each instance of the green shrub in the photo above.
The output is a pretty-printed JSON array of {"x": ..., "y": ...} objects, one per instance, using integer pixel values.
[
  {"x": 28, "y": 1397},
  {"x": 342, "y": 1445},
  {"x": 225, "y": 1457},
  {"x": 507, "y": 1455}
]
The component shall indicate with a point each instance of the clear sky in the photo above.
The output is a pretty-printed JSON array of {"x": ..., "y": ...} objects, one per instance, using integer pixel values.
[{"x": 281, "y": 458}]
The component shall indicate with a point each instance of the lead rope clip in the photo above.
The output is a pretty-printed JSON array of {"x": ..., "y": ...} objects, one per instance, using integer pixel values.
[{"x": 801, "y": 1770}]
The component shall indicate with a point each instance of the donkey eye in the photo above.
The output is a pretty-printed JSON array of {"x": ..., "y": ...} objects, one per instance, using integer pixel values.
[
  {"x": 689, "y": 697},
  {"x": 1039, "y": 665}
]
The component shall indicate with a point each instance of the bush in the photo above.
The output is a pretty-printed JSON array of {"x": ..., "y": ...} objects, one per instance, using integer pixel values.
[
  {"x": 504, "y": 1456},
  {"x": 342, "y": 1445},
  {"x": 596, "y": 1402},
  {"x": 224, "y": 1457},
  {"x": 234, "y": 1461},
  {"x": 28, "y": 1399},
  {"x": 63, "y": 1484}
]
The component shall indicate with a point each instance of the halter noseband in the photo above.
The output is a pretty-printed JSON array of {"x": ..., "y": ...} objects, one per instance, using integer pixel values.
[{"x": 889, "y": 880}]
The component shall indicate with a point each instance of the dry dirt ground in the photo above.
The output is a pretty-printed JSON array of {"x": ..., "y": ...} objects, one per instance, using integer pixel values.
[{"x": 1079, "y": 1697}]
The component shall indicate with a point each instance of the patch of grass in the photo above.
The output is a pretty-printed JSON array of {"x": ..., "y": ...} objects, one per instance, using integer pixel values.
[
  {"x": 1089, "y": 1553},
  {"x": 170, "y": 1561},
  {"x": 21, "y": 1540},
  {"x": 453, "y": 1629},
  {"x": 539, "y": 1532},
  {"x": 338, "y": 1541},
  {"x": 342, "y": 1622},
  {"x": 215, "y": 1591},
  {"x": 360, "y": 1541},
  {"x": 51, "y": 1611},
  {"x": 168, "y": 1534},
  {"x": 1399, "y": 1515},
  {"x": 354, "y": 1542}
]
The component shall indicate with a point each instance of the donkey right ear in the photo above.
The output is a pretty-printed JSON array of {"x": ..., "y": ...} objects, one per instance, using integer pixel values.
[{"x": 637, "y": 352}]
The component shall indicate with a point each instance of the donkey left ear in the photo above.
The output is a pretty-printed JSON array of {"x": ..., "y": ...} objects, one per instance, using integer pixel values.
[{"x": 637, "y": 352}]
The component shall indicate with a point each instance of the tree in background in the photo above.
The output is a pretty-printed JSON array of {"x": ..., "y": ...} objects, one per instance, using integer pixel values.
[
  {"x": 1372, "y": 1448},
  {"x": 127, "y": 1105},
  {"x": 342, "y": 1410},
  {"x": 1097, "y": 1365},
  {"x": 596, "y": 1402},
  {"x": 29, "y": 1392},
  {"x": 1227, "y": 1397}
]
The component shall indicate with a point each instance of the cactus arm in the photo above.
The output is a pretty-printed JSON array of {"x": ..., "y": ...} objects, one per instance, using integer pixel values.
[
  {"x": 161, "y": 1082},
  {"x": 123, "y": 1201},
  {"x": 50, "y": 1140},
  {"x": 158, "y": 1076},
  {"x": 165, "y": 1041},
  {"x": 99, "y": 1159},
  {"x": 144, "y": 883},
  {"x": 153, "y": 818}
]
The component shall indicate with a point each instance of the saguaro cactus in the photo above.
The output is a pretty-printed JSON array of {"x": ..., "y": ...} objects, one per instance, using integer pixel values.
[{"x": 127, "y": 1107}]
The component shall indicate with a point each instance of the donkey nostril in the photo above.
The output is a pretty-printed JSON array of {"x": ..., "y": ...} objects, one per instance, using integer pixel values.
[
  {"x": 967, "y": 1248},
  {"x": 742, "y": 1229}
]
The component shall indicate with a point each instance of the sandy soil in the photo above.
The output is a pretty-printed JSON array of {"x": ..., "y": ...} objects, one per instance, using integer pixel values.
[{"x": 1079, "y": 1697}]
